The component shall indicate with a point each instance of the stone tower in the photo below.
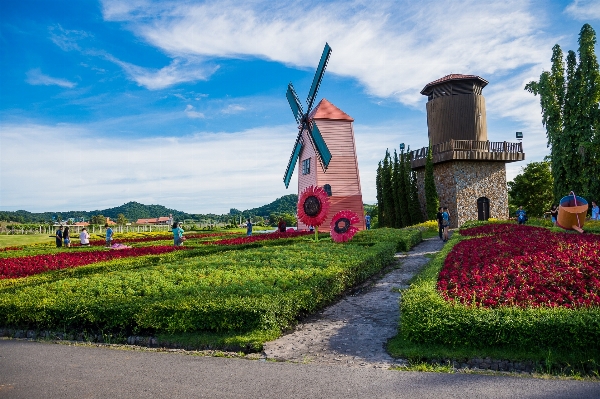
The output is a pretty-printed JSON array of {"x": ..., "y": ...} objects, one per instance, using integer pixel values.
[{"x": 469, "y": 170}]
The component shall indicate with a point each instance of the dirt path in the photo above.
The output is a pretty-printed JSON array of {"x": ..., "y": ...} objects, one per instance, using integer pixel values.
[{"x": 354, "y": 330}]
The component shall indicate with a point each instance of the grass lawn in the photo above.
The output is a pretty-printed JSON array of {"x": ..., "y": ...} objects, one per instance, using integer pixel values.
[{"x": 24, "y": 239}]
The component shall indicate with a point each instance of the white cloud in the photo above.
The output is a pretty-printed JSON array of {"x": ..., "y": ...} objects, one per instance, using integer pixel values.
[
  {"x": 189, "y": 111},
  {"x": 36, "y": 77},
  {"x": 232, "y": 109},
  {"x": 584, "y": 10},
  {"x": 178, "y": 71}
]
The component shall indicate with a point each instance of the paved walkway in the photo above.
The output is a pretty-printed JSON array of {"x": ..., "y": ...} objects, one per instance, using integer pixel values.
[{"x": 354, "y": 331}]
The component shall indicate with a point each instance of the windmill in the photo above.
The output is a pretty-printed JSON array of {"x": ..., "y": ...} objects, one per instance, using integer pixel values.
[{"x": 324, "y": 155}]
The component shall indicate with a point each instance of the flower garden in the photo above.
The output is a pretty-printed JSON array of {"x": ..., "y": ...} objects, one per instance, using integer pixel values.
[
  {"x": 247, "y": 289},
  {"x": 509, "y": 286}
]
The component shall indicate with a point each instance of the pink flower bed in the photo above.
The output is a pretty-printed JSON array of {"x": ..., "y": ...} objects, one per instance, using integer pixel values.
[{"x": 517, "y": 265}]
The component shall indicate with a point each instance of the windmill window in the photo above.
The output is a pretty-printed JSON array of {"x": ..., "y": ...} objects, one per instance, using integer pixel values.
[{"x": 306, "y": 167}]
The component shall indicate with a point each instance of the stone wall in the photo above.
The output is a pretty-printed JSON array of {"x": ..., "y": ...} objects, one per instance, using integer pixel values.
[{"x": 460, "y": 183}]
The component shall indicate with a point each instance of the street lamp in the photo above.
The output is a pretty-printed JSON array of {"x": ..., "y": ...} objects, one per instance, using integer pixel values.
[
  {"x": 401, "y": 146},
  {"x": 519, "y": 136}
]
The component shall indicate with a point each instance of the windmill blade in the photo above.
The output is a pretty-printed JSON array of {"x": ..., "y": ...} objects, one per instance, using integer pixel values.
[
  {"x": 295, "y": 104},
  {"x": 318, "y": 76},
  {"x": 292, "y": 162},
  {"x": 320, "y": 146}
]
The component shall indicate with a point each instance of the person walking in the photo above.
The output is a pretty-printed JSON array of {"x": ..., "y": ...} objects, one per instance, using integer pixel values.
[
  {"x": 178, "y": 235},
  {"x": 595, "y": 211},
  {"x": 84, "y": 237},
  {"x": 553, "y": 214},
  {"x": 281, "y": 225},
  {"x": 67, "y": 237},
  {"x": 521, "y": 215},
  {"x": 445, "y": 223},
  {"x": 249, "y": 228},
  {"x": 109, "y": 235},
  {"x": 368, "y": 221},
  {"x": 59, "y": 237},
  {"x": 440, "y": 219}
]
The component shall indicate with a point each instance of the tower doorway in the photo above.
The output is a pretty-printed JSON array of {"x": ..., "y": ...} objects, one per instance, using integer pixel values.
[{"x": 483, "y": 208}]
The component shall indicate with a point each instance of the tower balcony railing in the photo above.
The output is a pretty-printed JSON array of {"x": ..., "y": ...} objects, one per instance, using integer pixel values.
[{"x": 501, "y": 151}]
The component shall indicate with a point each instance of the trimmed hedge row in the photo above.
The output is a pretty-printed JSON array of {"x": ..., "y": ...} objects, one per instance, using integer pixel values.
[
  {"x": 208, "y": 289},
  {"x": 428, "y": 318}
]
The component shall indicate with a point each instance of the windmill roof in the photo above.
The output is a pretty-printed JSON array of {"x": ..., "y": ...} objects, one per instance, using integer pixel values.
[
  {"x": 454, "y": 76},
  {"x": 326, "y": 110}
]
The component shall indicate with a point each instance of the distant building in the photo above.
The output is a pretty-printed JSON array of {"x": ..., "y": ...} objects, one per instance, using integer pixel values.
[{"x": 159, "y": 220}]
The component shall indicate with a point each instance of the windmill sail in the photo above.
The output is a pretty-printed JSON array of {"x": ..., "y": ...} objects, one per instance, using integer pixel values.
[
  {"x": 319, "y": 144},
  {"x": 292, "y": 162},
  {"x": 314, "y": 88},
  {"x": 295, "y": 104}
]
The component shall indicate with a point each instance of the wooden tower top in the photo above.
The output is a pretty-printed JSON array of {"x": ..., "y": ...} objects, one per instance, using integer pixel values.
[{"x": 454, "y": 84}]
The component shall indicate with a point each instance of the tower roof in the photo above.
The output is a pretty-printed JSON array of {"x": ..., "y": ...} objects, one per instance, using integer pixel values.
[
  {"x": 326, "y": 110},
  {"x": 453, "y": 76}
]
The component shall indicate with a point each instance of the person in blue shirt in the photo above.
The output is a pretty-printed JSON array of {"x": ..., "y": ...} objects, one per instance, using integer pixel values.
[
  {"x": 521, "y": 215},
  {"x": 177, "y": 235},
  {"x": 59, "y": 237},
  {"x": 368, "y": 221},
  {"x": 109, "y": 235},
  {"x": 595, "y": 211},
  {"x": 249, "y": 228},
  {"x": 445, "y": 223}
]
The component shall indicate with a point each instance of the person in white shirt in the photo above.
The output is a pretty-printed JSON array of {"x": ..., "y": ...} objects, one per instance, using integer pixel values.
[{"x": 84, "y": 237}]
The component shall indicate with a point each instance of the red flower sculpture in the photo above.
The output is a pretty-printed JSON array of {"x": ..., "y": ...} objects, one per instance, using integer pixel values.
[
  {"x": 313, "y": 205},
  {"x": 343, "y": 226}
]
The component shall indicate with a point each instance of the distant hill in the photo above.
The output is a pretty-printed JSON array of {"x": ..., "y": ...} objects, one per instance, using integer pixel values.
[{"x": 134, "y": 211}]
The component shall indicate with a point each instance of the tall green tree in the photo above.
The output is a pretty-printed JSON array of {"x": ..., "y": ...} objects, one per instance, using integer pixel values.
[
  {"x": 388, "y": 192},
  {"x": 432, "y": 201},
  {"x": 379, "y": 187},
  {"x": 403, "y": 190},
  {"x": 414, "y": 207},
  {"x": 399, "y": 222},
  {"x": 571, "y": 114},
  {"x": 532, "y": 189}
]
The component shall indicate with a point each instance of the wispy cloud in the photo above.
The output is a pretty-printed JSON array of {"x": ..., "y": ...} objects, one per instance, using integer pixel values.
[
  {"x": 178, "y": 71},
  {"x": 66, "y": 39},
  {"x": 36, "y": 77},
  {"x": 189, "y": 111},
  {"x": 392, "y": 48},
  {"x": 584, "y": 10}
]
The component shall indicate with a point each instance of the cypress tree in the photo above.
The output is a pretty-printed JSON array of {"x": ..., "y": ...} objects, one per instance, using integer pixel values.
[
  {"x": 388, "y": 192},
  {"x": 380, "y": 206},
  {"x": 396, "y": 184},
  {"x": 414, "y": 208},
  {"x": 432, "y": 202},
  {"x": 403, "y": 190}
]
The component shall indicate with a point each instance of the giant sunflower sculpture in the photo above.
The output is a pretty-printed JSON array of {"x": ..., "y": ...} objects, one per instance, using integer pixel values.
[
  {"x": 313, "y": 205},
  {"x": 343, "y": 226}
]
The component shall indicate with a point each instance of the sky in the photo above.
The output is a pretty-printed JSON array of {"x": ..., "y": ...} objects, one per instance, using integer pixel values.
[{"x": 182, "y": 103}]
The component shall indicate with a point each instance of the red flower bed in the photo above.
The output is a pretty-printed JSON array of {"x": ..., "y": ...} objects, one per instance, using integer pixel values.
[
  {"x": 30, "y": 265},
  {"x": 259, "y": 237},
  {"x": 517, "y": 265}
]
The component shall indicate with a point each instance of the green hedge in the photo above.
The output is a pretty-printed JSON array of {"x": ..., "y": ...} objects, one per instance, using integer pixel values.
[
  {"x": 212, "y": 288},
  {"x": 428, "y": 318}
]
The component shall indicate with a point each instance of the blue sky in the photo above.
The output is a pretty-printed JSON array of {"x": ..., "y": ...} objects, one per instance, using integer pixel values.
[{"x": 182, "y": 103}]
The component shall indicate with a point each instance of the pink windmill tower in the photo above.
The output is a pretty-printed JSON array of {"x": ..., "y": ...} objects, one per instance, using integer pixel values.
[{"x": 326, "y": 150}]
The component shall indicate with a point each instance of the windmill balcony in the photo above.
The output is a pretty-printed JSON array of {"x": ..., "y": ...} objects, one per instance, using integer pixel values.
[{"x": 469, "y": 150}]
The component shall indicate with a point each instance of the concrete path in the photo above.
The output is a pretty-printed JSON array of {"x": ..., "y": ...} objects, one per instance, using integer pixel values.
[
  {"x": 47, "y": 370},
  {"x": 353, "y": 331}
]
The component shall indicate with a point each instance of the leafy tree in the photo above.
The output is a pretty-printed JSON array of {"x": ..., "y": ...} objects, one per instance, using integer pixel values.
[
  {"x": 571, "y": 114},
  {"x": 398, "y": 222},
  {"x": 432, "y": 201},
  {"x": 121, "y": 219},
  {"x": 532, "y": 189},
  {"x": 98, "y": 219},
  {"x": 414, "y": 208}
]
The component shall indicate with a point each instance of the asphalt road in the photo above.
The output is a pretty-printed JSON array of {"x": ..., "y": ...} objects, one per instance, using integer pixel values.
[{"x": 46, "y": 370}]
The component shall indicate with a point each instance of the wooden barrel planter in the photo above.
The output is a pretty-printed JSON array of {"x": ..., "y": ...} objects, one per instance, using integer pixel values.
[{"x": 571, "y": 213}]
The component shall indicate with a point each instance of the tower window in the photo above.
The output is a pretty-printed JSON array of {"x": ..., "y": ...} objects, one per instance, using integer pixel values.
[{"x": 306, "y": 167}]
